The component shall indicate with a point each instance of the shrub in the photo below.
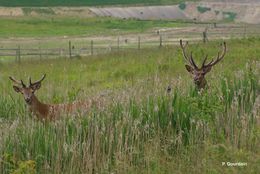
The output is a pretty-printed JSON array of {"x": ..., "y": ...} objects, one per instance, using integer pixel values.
[
  {"x": 46, "y": 11},
  {"x": 182, "y": 5},
  {"x": 203, "y": 9},
  {"x": 230, "y": 16}
]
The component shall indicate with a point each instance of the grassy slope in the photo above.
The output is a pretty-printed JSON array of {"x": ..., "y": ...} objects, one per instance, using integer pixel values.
[
  {"x": 58, "y": 145},
  {"x": 15, "y": 27},
  {"x": 40, "y": 3}
]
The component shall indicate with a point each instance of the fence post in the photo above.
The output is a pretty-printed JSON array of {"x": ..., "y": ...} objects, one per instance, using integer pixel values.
[
  {"x": 91, "y": 47},
  {"x": 204, "y": 34},
  {"x": 18, "y": 53},
  {"x": 245, "y": 31},
  {"x": 118, "y": 43},
  {"x": 70, "y": 49},
  {"x": 40, "y": 53},
  {"x": 139, "y": 42},
  {"x": 60, "y": 52},
  {"x": 160, "y": 41}
]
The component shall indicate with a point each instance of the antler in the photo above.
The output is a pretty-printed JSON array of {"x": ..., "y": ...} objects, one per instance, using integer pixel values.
[
  {"x": 17, "y": 81},
  {"x": 219, "y": 58},
  {"x": 39, "y": 81},
  {"x": 189, "y": 59}
]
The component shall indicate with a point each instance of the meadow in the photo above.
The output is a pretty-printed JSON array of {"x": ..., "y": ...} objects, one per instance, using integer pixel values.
[
  {"x": 71, "y": 26},
  {"x": 141, "y": 128}
]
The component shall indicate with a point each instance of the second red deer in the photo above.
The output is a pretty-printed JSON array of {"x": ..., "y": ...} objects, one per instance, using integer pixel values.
[{"x": 199, "y": 73}]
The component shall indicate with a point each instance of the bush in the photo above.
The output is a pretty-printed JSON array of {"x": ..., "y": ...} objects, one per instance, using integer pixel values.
[
  {"x": 230, "y": 16},
  {"x": 182, "y": 5},
  {"x": 203, "y": 9},
  {"x": 46, "y": 11}
]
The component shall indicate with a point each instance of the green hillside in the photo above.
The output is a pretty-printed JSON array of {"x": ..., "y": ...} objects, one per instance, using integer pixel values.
[{"x": 38, "y": 3}]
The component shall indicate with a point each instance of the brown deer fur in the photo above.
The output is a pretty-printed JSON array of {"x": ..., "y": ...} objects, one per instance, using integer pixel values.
[{"x": 50, "y": 111}]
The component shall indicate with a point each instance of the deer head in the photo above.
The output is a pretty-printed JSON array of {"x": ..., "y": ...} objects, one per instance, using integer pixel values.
[
  {"x": 199, "y": 73},
  {"x": 28, "y": 92}
]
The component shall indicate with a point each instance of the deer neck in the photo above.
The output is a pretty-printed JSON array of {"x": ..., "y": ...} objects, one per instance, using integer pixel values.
[{"x": 38, "y": 108}]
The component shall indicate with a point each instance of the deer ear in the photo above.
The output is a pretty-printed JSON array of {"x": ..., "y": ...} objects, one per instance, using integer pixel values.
[
  {"x": 189, "y": 69},
  {"x": 207, "y": 69},
  {"x": 35, "y": 86},
  {"x": 17, "y": 89}
]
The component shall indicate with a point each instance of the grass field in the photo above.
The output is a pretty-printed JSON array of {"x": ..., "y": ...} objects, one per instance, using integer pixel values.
[
  {"x": 141, "y": 128},
  {"x": 69, "y": 26},
  {"x": 39, "y": 3}
]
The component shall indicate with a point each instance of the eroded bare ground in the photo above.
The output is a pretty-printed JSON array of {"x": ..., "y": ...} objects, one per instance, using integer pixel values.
[
  {"x": 247, "y": 12},
  {"x": 45, "y": 11},
  {"x": 213, "y": 10},
  {"x": 244, "y": 11}
]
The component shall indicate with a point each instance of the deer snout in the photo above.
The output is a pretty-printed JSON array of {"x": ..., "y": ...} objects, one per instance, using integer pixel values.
[
  {"x": 197, "y": 79},
  {"x": 28, "y": 100}
]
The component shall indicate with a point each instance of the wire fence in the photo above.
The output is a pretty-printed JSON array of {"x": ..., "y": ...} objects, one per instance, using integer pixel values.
[{"x": 83, "y": 46}]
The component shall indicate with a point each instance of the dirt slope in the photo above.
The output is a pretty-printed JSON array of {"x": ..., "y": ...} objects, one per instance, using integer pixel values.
[
  {"x": 46, "y": 11},
  {"x": 146, "y": 12},
  {"x": 200, "y": 11},
  {"x": 232, "y": 10},
  {"x": 239, "y": 12},
  {"x": 11, "y": 11}
]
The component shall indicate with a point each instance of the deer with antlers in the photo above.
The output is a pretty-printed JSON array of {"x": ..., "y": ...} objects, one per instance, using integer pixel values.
[
  {"x": 199, "y": 73},
  {"x": 47, "y": 111}
]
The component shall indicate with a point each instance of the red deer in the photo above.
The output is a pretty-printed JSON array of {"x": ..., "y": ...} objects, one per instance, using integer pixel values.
[
  {"x": 199, "y": 73},
  {"x": 47, "y": 111}
]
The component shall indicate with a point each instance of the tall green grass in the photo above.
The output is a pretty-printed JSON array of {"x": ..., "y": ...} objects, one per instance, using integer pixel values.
[
  {"x": 119, "y": 138},
  {"x": 142, "y": 128}
]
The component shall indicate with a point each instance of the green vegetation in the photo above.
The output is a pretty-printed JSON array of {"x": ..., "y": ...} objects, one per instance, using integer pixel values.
[
  {"x": 182, "y": 5},
  {"x": 230, "y": 16},
  {"x": 15, "y": 27},
  {"x": 141, "y": 129},
  {"x": 42, "y": 11},
  {"x": 203, "y": 9},
  {"x": 40, "y": 3}
]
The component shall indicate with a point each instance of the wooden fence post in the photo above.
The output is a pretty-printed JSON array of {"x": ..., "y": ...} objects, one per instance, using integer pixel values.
[
  {"x": 118, "y": 44},
  {"x": 40, "y": 53},
  {"x": 18, "y": 54},
  {"x": 70, "y": 49},
  {"x": 205, "y": 35},
  {"x": 139, "y": 42},
  {"x": 91, "y": 47},
  {"x": 160, "y": 41},
  {"x": 60, "y": 52},
  {"x": 245, "y": 31}
]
